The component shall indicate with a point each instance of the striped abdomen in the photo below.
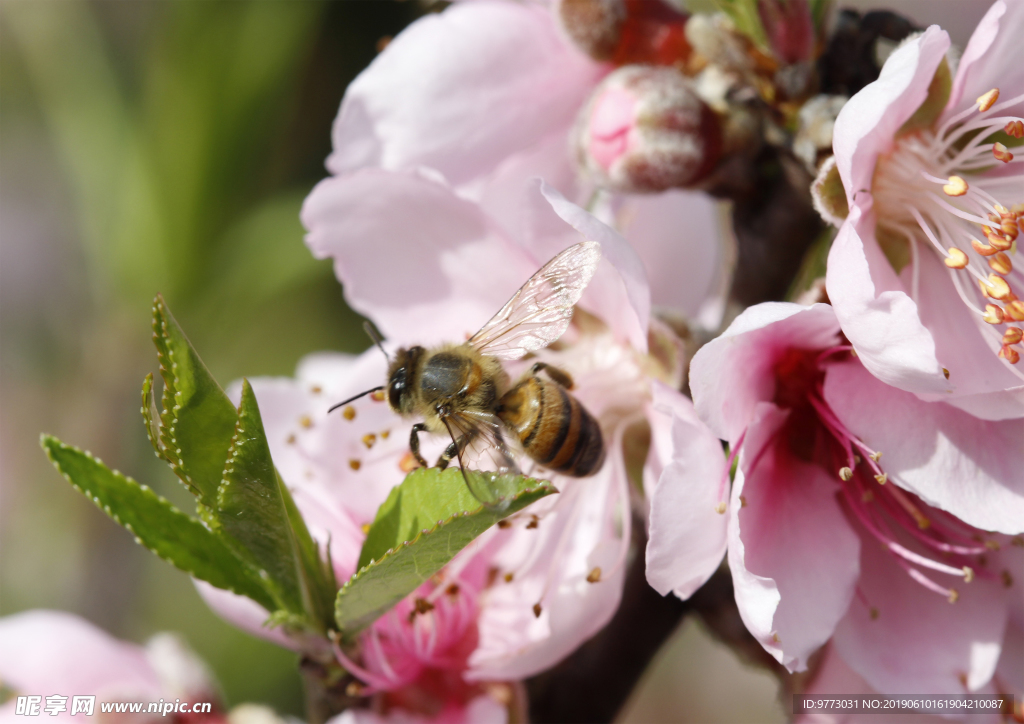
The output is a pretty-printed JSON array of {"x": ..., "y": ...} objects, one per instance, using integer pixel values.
[{"x": 553, "y": 427}]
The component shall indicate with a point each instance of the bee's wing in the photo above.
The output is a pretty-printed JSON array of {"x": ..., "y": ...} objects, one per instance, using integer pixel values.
[
  {"x": 487, "y": 455},
  {"x": 540, "y": 311}
]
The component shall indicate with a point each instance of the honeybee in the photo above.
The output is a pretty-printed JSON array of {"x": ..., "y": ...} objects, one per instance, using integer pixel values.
[{"x": 462, "y": 391}]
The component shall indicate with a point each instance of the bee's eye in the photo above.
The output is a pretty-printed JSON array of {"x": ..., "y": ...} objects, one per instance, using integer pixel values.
[{"x": 396, "y": 386}]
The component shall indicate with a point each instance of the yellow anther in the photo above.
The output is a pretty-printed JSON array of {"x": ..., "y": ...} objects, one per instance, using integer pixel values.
[
  {"x": 720, "y": 508},
  {"x": 968, "y": 574},
  {"x": 377, "y": 396},
  {"x": 1014, "y": 129},
  {"x": 1001, "y": 153},
  {"x": 595, "y": 575},
  {"x": 290, "y": 439},
  {"x": 983, "y": 249},
  {"x": 953, "y": 595},
  {"x": 845, "y": 474},
  {"x": 1015, "y": 311},
  {"x": 775, "y": 638},
  {"x": 349, "y": 413},
  {"x": 997, "y": 287},
  {"x": 945, "y": 373},
  {"x": 369, "y": 439},
  {"x": 1001, "y": 263},
  {"x": 988, "y": 100},
  {"x": 956, "y": 259},
  {"x": 1009, "y": 226},
  {"x": 993, "y": 314},
  {"x": 355, "y": 464},
  {"x": 306, "y": 421},
  {"x": 956, "y": 186},
  {"x": 882, "y": 479},
  {"x": 876, "y": 455},
  {"x": 508, "y": 577},
  {"x": 1009, "y": 354},
  {"x": 316, "y": 389},
  {"x": 1013, "y": 335},
  {"x": 366, "y": 528},
  {"x": 996, "y": 238}
]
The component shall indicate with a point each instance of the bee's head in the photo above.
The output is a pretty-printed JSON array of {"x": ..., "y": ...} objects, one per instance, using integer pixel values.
[{"x": 401, "y": 372}]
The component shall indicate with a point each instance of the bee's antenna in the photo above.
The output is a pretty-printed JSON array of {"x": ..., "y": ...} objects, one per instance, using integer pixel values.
[
  {"x": 354, "y": 397},
  {"x": 376, "y": 338}
]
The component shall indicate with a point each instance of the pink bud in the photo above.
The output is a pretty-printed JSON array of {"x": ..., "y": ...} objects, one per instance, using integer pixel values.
[{"x": 645, "y": 129}]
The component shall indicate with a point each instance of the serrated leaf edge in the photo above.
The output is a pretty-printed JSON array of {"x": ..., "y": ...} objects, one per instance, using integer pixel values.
[
  {"x": 152, "y": 429},
  {"x": 170, "y": 398},
  {"x": 44, "y": 438}
]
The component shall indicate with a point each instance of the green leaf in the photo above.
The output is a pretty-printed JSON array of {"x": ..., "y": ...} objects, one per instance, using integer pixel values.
[
  {"x": 198, "y": 419},
  {"x": 256, "y": 514},
  {"x": 424, "y": 522},
  {"x": 180, "y": 540},
  {"x": 152, "y": 430}
]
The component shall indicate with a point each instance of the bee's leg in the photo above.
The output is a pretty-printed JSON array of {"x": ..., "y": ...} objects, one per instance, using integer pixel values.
[
  {"x": 414, "y": 443},
  {"x": 558, "y": 376},
  {"x": 446, "y": 457}
]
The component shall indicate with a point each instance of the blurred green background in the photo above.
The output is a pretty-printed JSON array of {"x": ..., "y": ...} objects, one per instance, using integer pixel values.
[
  {"x": 145, "y": 147},
  {"x": 166, "y": 147}
]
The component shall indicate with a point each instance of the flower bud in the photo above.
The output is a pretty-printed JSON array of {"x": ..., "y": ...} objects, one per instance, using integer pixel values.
[
  {"x": 594, "y": 26},
  {"x": 645, "y": 129},
  {"x": 648, "y": 32}
]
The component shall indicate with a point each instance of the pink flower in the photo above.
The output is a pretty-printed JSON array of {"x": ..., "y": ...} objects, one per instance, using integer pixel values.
[
  {"x": 56, "y": 654},
  {"x": 487, "y": 94},
  {"x": 428, "y": 266},
  {"x": 921, "y": 273},
  {"x": 828, "y": 538}
]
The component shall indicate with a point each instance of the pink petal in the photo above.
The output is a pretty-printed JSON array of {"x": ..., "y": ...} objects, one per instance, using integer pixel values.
[
  {"x": 956, "y": 462},
  {"x": 982, "y": 384},
  {"x": 679, "y": 237},
  {"x": 834, "y": 679},
  {"x": 991, "y": 59},
  {"x": 580, "y": 535},
  {"x": 506, "y": 194},
  {"x": 867, "y": 125},
  {"x": 919, "y": 641},
  {"x": 53, "y": 652},
  {"x": 878, "y": 317},
  {"x": 423, "y": 264},
  {"x": 792, "y": 553},
  {"x": 687, "y": 535},
  {"x": 629, "y": 317},
  {"x": 462, "y": 90},
  {"x": 731, "y": 374}
]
